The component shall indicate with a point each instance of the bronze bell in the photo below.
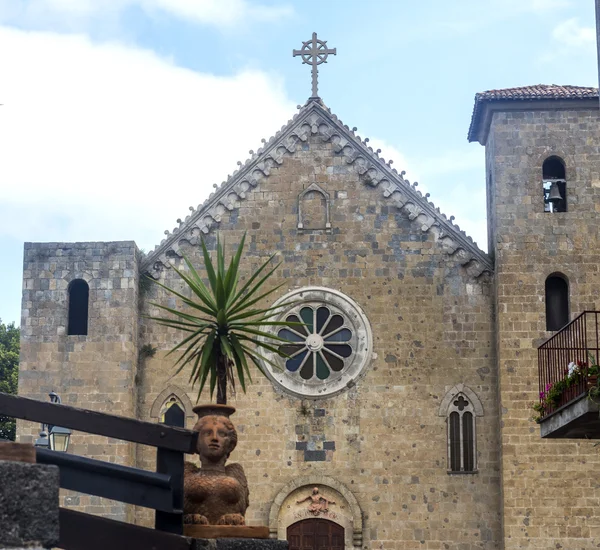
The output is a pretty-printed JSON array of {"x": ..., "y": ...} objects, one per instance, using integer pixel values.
[{"x": 554, "y": 195}]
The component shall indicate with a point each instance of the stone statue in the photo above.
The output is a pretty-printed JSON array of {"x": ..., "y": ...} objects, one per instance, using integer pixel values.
[
  {"x": 317, "y": 502},
  {"x": 215, "y": 494}
]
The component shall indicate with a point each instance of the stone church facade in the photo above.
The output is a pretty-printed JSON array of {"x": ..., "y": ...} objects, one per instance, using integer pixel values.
[{"x": 412, "y": 420}]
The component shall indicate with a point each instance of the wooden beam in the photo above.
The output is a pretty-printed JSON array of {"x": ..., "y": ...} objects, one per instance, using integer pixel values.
[
  {"x": 79, "y": 531},
  {"x": 122, "y": 483},
  {"x": 171, "y": 462},
  {"x": 117, "y": 427}
]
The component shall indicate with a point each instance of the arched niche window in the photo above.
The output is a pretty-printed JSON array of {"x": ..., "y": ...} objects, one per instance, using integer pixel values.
[
  {"x": 172, "y": 400},
  {"x": 79, "y": 296},
  {"x": 460, "y": 406},
  {"x": 557, "y": 301},
  {"x": 554, "y": 184},
  {"x": 172, "y": 395},
  {"x": 313, "y": 208}
]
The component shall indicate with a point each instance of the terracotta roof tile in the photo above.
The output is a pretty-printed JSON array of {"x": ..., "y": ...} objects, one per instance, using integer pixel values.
[
  {"x": 526, "y": 93},
  {"x": 539, "y": 91}
]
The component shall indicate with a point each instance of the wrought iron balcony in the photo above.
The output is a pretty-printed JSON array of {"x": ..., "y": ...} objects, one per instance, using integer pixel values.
[{"x": 568, "y": 369}]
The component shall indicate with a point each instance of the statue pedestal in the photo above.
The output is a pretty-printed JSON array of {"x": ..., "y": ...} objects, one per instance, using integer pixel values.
[
  {"x": 225, "y": 532},
  {"x": 234, "y": 537}
]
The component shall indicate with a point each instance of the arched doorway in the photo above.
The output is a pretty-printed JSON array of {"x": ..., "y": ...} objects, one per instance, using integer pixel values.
[{"x": 315, "y": 534}]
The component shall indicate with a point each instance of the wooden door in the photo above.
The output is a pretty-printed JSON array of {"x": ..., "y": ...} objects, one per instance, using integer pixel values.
[{"x": 315, "y": 534}]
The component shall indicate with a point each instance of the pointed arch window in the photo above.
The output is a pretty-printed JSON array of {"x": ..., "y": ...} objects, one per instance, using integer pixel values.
[
  {"x": 461, "y": 436},
  {"x": 461, "y": 406},
  {"x": 172, "y": 400},
  {"x": 554, "y": 184},
  {"x": 79, "y": 296},
  {"x": 557, "y": 301}
]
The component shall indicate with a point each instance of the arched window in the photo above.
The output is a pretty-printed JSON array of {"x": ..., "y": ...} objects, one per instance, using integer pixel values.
[
  {"x": 557, "y": 301},
  {"x": 461, "y": 436},
  {"x": 172, "y": 395},
  {"x": 460, "y": 406},
  {"x": 172, "y": 400},
  {"x": 554, "y": 185},
  {"x": 313, "y": 208},
  {"x": 79, "y": 295}
]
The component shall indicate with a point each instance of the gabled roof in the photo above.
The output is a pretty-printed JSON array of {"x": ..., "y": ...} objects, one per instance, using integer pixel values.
[
  {"x": 533, "y": 95},
  {"x": 316, "y": 119}
]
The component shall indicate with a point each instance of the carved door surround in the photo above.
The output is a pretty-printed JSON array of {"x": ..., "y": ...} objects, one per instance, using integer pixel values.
[
  {"x": 316, "y": 497},
  {"x": 315, "y": 534}
]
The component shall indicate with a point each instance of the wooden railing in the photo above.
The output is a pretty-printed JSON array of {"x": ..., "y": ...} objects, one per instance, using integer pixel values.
[
  {"x": 161, "y": 490},
  {"x": 576, "y": 343}
]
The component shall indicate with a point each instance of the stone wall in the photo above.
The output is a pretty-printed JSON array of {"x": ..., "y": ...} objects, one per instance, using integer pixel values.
[
  {"x": 382, "y": 440},
  {"x": 28, "y": 505},
  {"x": 550, "y": 497},
  {"x": 96, "y": 371}
]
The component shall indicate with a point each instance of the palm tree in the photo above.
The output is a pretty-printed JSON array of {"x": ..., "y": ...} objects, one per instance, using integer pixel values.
[{"x": 225, "y": 329}]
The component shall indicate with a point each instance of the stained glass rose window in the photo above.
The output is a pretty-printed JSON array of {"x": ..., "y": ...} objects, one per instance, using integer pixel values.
[{"x": 329, "y": 346}]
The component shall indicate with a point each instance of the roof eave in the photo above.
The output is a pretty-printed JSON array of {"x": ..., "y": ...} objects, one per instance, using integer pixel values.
[{"x": 485, "y": 109}]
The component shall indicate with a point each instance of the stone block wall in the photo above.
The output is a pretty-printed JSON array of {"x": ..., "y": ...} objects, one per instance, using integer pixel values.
[
  {"x": 550, "y": 497},
  {"x": 96, "y": 371},
  {"x": 28, "y": 505},
  {"x": 383, "y": 441}
]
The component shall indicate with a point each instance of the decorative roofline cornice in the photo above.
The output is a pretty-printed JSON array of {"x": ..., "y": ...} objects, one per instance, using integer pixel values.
[{"x": 316, "y": 119}]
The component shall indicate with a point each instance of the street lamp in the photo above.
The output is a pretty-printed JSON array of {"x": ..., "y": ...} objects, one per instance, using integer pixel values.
[
  {"x": 43, "y": 441},
  {"x": 59, "y": 436}
]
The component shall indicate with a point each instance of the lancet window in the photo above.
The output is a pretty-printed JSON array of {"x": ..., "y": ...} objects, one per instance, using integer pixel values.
[{"x": 79, "y": 295}]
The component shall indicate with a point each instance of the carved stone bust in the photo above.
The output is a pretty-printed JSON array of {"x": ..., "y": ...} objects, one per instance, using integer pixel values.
[{"x": 215, "y": 493}]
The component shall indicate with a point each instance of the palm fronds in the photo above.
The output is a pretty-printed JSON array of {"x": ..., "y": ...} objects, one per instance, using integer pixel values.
[{"x": 224, "y": 328}]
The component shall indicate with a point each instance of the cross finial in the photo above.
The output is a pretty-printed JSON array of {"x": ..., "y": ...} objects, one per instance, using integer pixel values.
[{"x": 314, "y": 52}]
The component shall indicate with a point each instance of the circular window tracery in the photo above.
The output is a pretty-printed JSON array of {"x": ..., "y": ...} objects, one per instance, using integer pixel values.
[
  {"x": 323, "y": 343},
  {"x": 329, "y": 345}
]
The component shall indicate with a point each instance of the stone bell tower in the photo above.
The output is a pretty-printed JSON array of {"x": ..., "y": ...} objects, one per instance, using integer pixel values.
[
  {"x": 79, "y": 333},
  {"x": 543, "y": 191}
]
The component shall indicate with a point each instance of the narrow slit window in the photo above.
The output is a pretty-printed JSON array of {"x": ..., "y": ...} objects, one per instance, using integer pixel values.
[
  {"x": 79, "y": 295},
  {"x": 468, "y": 457},
  {"x": 557, "y": 302},
  {"x": 554, "y": 185},
  {"x": 454, "y": 434}
]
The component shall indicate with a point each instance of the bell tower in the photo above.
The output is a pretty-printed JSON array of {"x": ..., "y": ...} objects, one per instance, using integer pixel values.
[{"x": 543, "y": 190}]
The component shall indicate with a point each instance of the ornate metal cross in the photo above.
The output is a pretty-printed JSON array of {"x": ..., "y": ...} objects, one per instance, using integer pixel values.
[{"x": 314, "y": 52}]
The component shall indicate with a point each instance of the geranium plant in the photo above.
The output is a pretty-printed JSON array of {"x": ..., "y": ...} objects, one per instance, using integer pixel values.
[{"x": 551, "y": 395}]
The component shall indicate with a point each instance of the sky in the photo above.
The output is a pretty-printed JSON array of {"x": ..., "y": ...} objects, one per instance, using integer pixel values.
[{"x": 117, "y": 115}]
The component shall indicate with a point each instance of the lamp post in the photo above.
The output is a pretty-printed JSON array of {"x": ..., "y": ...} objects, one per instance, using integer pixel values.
[{"x": 54, "y": 437}]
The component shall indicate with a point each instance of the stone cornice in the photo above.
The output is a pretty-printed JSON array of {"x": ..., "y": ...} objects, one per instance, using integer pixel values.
[
  {"x": 484, "y": 110},
  {"x": 315, "y": 119}
]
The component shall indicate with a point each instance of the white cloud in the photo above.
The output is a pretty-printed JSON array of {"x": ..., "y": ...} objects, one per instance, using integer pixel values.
[
  {"x": 107, "y": 142},
  {"x": 539, "y": 6},
  {"x": 389, "y": 152},
  {"x": 571, "y": 33},
  {"x": 72, "y": 14},
  {"x": 437, "y": 175}
]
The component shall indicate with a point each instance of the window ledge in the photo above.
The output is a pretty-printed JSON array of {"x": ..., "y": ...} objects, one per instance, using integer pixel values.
[{"x": 453, "y": 473}]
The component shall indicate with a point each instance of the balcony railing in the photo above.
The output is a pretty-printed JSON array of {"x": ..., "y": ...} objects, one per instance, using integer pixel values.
[{"x": 578, "y": 343}]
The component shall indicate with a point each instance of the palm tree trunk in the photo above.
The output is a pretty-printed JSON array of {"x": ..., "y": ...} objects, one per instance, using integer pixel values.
[{"x": 222, "y": 379}]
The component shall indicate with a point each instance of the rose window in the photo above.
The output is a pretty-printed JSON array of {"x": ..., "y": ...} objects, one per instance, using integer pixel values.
[
  {"x": 328, "y": 347},
  {"x": 322, "y": 346}
]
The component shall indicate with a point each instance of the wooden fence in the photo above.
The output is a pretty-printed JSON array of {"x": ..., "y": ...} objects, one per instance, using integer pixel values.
[{"x": 161, "y": 490}]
